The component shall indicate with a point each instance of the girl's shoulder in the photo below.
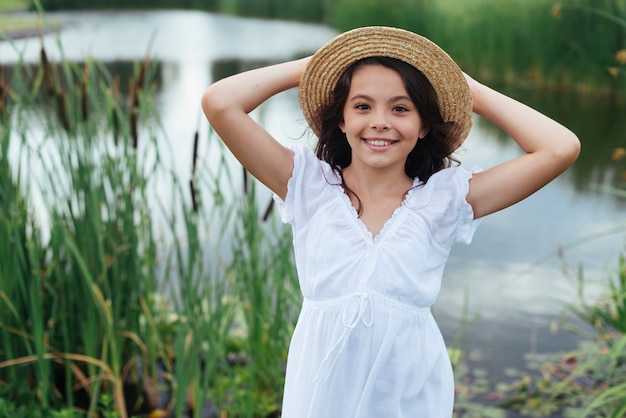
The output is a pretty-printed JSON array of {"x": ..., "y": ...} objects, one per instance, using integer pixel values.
[
  {"x": 307, "y": 164},
  {"x": 442, "y": 202},
  {"x": 445, "y": 188},
  {"x": 454, "y": 178},
  {"x": 311, "y": 186}
]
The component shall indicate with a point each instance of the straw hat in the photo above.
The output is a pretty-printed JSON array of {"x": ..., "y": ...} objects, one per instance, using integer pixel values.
[{"x": 331, "y": 60}]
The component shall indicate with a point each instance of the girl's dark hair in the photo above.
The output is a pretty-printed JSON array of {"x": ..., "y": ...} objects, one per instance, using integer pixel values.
[{"x": 431, "y": 153}]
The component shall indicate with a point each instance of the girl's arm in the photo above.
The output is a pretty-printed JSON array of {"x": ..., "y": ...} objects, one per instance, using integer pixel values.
[
  {"x": 226, "y": 105},
  {"x": 550, "y": 149}
]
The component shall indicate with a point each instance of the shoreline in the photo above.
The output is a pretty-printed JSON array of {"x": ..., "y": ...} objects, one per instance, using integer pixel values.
[
  {"x": 29, "y": 26},
  {"x": 22, "y": 34}
]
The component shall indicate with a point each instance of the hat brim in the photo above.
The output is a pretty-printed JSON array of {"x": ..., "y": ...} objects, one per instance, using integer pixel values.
[{"x": 331, "y": 60}]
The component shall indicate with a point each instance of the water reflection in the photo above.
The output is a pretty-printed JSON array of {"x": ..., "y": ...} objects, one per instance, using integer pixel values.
[{"x": 601, "y": 127}]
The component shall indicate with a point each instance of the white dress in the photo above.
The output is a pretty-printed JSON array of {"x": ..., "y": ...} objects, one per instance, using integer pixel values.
[{"x": 366, "y": 343}]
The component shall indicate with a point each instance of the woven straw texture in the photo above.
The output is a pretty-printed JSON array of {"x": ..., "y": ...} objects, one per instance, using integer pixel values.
[{"x": 330, "y": 61}]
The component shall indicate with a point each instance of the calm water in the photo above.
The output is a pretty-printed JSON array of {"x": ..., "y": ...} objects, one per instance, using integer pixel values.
[{"x": 513, "y": 279}]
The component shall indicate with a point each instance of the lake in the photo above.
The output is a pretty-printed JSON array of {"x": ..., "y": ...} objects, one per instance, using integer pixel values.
[{"x": 521, "y": 266}]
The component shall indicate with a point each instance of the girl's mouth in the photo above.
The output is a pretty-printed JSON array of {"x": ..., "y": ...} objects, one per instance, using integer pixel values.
[{"x": 379, "y": 142}]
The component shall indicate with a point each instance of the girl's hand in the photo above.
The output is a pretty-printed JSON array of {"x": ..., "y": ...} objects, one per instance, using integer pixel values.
[
  {"x": 471, "y": 82},
  {"x": 302, "y": 65},
  {"x": 474, "y": 87}
]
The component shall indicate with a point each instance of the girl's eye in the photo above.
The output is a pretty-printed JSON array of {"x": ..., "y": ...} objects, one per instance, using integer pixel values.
[
  {"x": 361, "y": 106},
  {"x": 400, "y": 109}
]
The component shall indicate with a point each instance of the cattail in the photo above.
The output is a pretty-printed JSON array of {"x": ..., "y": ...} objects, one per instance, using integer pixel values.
[
  {"x": 141, "y": 76},
  {"x": 195, "y": 154},
  {"x": 194, "y": 160},
  {"x": 47, "y": 73},
  {"x": 245, "y": 181},
  {"x": 60, "y": 95},
  {"x": 84, "y": 95},
  {"x": 194, "y": 200},
  {"x": 133, "y": 112},
  {"x": 140, "y": 80},
  {"x": 2, "y": 99},
  {"x": 114, "y": 114},
  {"x": 268, "y": 210},
  {"x": 133, "y": 127},
  {"x": 3, "y": 93},
  {"x": 132, "y": 92},
  {"x": 62, "y": 110}
]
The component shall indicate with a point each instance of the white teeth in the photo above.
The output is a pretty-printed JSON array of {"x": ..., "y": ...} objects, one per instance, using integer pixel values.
[{"x": 379, "y": 142}]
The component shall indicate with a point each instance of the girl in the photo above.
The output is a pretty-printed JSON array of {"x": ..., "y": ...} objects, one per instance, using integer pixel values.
[{"x": 377, "y": 207}]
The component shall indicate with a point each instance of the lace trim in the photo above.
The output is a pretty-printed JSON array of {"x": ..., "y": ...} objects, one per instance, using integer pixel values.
[{"x": 388, "y": 223}]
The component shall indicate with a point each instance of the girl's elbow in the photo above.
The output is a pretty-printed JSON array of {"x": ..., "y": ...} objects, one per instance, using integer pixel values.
[
  {"x": 564, "y": 151},
  {"x": 211, "y": 104},
  {"x": 571, "y": 148}
]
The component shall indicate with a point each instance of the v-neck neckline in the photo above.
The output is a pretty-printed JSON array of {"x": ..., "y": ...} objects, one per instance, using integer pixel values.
[{"x": 388, "y": 224}]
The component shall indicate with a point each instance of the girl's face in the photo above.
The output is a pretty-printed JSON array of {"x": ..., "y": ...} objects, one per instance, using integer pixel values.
[{"x": 380, "y": 121}]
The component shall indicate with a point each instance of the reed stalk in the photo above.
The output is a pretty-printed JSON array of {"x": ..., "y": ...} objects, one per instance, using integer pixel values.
[{"x": 77, "y": 292}]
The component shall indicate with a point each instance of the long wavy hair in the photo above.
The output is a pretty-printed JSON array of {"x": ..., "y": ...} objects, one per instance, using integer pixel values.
[{"x": 431, "y": 153}]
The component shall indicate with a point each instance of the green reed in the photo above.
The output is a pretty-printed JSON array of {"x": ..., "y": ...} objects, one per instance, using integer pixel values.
[
  {"x": 541, "y": 43},
  {"x": 266, "y": 281},
  {"x": 72, "y": 296},
  {"x": 112, "y": 288},
  {"x": 607, "y": 315},
  {"x": 602, "y": 365},
  {"x": 573, "y": 45}
]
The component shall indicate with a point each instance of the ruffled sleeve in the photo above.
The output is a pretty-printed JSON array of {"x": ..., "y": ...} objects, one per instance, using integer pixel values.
[
  {"x": 285, "y": 207},
  {"x": 443, "y": 203},
  {"x": 307, "y": 187},
  {"x": 467, "y": 224}
]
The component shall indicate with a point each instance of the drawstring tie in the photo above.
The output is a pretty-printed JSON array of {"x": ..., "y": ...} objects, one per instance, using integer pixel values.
[{"x": 357, "y": 310}]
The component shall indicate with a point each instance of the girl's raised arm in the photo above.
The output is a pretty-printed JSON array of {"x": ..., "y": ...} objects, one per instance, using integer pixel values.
[
  {"x": 550, "y": 149},
  {"x": 226, "y": 104}
]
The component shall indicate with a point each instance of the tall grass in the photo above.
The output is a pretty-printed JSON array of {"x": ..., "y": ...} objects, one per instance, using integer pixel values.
[
  {"x": 118, "y": 283},
  {"x": 74, "y": 303},
  {"x": 267, "y": 284},
  {"x": 536, "y": 44}
]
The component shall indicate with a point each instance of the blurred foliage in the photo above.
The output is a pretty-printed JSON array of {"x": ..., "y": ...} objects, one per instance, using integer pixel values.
[{"x": 575, "y": 45}]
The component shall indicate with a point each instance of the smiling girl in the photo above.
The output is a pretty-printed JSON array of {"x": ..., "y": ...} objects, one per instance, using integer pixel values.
[{"x": 376, "y": 208}]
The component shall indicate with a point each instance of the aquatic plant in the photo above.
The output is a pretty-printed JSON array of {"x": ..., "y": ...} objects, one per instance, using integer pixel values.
[{"x": 125, "y": 292}]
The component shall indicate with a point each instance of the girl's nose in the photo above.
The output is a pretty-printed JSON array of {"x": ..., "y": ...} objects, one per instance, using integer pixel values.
[{"x": 379, "y": 121}]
